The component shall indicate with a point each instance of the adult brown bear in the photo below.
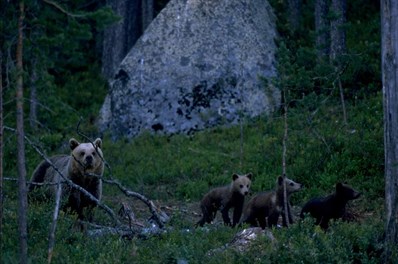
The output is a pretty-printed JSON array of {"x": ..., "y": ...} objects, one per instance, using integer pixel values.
[{"x": 84, "y": 167}]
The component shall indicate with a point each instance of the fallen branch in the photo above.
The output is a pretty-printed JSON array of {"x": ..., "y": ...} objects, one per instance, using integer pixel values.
[
  {"x": 159, "y": 216},
  {"x": 122, "y": 231}
]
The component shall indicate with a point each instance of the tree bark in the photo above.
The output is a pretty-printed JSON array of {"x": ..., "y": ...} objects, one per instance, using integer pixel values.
[
  {"x": 294, "y": 11},
  {"x": 389, "y": 39},
  {"x": 337, "y": 31},
  {"x": 284, "y": 154},
  {"x": 322, "y": 29},
  {"x": 1, "y": 145},
  {"x": 120, "y": 37},
  {"x": 33, "y": 97},
  {"x": 22, "y": 195},
  {"x": 147, "y": 13}
]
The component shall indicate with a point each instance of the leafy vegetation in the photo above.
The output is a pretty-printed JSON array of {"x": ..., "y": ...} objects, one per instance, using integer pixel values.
[{"x": 176, "y": 170}]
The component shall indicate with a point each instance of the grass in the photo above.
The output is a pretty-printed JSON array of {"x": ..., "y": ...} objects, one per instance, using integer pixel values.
[{"x": 175, "y": 171}]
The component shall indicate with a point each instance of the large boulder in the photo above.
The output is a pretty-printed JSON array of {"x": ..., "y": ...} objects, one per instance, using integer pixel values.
[{"x": 199, "y": 64}]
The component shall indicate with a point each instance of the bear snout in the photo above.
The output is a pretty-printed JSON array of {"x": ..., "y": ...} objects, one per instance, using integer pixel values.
[{"x": 88, "y": 161}]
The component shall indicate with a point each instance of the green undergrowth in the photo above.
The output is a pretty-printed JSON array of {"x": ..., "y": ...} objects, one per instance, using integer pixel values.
[{"x": 177, "y": 170}]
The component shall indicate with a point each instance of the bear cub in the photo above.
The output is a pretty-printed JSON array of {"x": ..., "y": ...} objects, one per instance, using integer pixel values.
[
  {"x": 84, "y": 167},
  {"x": 265, "y": 208},
  {"x": 330, "y": 207},
  {"x": 225, "y": 198}
]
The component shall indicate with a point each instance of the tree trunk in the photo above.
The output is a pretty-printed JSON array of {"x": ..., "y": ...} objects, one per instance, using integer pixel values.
[
  {"x": 147, "y": 13},
  {"x": 1, "y": 144},
  {"x": 389, "y": 29},
  {"x": 22, "y": 196},
  {"x": 322, "y": 38},
  {"x": 337, "y": 31},
  {"x": 294, "y": 11},
  {"x": 33, "y": 97},
  {"x": 120, "y": 37}
]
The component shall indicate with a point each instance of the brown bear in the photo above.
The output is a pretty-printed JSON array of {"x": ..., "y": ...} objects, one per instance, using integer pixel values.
[
  {"x": 225, "y": 198},
  {"x": 265, "y": 208},
  {"x": 330, "y": 207},
  {"x": 84, "y": 167}
]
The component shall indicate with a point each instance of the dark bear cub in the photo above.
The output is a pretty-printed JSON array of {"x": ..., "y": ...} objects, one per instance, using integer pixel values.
[
  {"x": 265, "y": 208},
  {"x": 225, "y": 198},
  {"x": 330, "y": 207}
]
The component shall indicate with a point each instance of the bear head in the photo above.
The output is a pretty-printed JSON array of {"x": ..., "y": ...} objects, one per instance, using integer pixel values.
[
  {"x": 346, "y": 192},
  {"x": 87, "y": 157},
  {"x": 291, "y": 186},
  {"x": 241, "y": 183}
]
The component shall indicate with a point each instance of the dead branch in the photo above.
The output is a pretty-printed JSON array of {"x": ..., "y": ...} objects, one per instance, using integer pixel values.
[
  {"x": 51, "y": 236},
  {"x": 57, "y": 6},
  {"x": 122, "y": 231},
  {"x": 159, "y": 216},
  {"x": 34, "y": 183}
]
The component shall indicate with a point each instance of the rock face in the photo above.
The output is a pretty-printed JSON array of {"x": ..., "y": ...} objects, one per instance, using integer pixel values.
[{"x": 199, "y": 64}]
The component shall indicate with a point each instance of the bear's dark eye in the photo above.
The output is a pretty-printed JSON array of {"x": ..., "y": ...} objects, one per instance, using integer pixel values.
[
  {"x": 247, "y": 186},
  {"x": 94, "y": 153},
  {"x": 241, "y": 186},
  {"x": 82, "y": 153},
  {"x": 291, "y": 184}
]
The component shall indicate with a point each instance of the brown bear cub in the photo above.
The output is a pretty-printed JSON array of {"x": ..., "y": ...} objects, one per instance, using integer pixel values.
[
  {"x": 83, "y": 167},
  {"x": 225, "y": 198},
  {"x": 265, "y": 208},
  {"x": 330, "y": 207}
]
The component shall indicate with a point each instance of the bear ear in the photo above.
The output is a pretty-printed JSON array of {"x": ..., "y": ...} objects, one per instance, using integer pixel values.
[
  {"x": 98, "y": 143},
  {"x": 235, "y": 176},
  {"x": 339, "y": 185},
  {"x": 249, "y": 175},
  {"x": 73, "y": 143},
  {"x": 280, "y": 180}
]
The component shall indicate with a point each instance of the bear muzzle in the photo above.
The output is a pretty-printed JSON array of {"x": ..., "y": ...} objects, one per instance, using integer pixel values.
[{"x": 88, "y": 162}]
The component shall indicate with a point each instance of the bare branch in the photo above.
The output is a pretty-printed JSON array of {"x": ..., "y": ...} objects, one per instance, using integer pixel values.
[
  {"x": 57, "y": 6},
  {"x": 159, "y": 216},
  {"x": 51, "y": 237}
]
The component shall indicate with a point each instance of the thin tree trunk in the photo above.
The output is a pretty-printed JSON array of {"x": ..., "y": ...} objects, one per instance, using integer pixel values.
[
  {"x": 120, "y": 37},
  {"x": 284, "y": 151},
  {"x": 294, "y": 11},
  {"x": 22, "y": 197},
  {"x": 389, "y": 39},
  {"x": 338, "y": 43},
  {"x": 342, "y": 101},
  {"x": 1, "y": 146},
  {"x": 337, "y": 31},
  {"x": 322, "y": 28},
  {"x": 33, "y": 97},
  {"x": 147, "y": 13}
]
